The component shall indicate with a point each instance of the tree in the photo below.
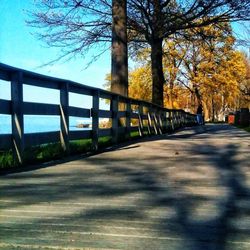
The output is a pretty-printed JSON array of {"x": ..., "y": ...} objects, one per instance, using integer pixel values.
[
  {"x": 156, "y": 20},
  {"x": 74, "y": 26},
  {"x": 222, "y": 89},
  {"x": 119, "y": 63},
  {"x": 140, "y": 84},
  {"x": 78, "y": 25},
  {"x": 173, "y": 57},
  {"x": 244, "y": 98},
  {"x": 213, "y": 70},
  {"x": 206, "y": 68}
]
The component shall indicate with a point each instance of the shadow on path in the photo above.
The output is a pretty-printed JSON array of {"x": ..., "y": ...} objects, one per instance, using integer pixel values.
[{"x": 138, "y": 196}]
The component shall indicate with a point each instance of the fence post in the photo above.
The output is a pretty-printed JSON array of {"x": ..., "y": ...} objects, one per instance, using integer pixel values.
[
  {"x": 140, "y": 113},
  {"x": 114, "y": 108},
  {"x": 155, "y": 122},
  {"x": 183, "y": 118},
  {"x": 177, "y": 117},
  {"x": 95, "y": 119},
  {"x": 128, "y": 118},
  {"x": 164, "y": 121},
  {"x": 172, "y": 119},
  {"x": 17, "y": 116},
  {"x": 149, "y": 120},
  {"x": 160, "y": 123},
  {"x": 180, "y": 118},
  {"x": 64, "y": 117}
]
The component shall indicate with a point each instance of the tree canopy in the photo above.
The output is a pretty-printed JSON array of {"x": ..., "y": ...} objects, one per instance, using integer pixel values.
[
  {"x": 75, "y": 26},
  {"x": 208, "y": 70}
]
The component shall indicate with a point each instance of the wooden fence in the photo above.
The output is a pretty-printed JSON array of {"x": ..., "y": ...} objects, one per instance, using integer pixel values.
[{"x": 147, "y": 118}]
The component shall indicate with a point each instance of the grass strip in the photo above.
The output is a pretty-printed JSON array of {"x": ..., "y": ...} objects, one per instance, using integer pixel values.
[{"x": 54, "y": 151}]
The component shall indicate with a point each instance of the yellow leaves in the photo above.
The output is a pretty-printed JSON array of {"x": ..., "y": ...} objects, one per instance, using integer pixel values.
[
  {"x": 180, "y": 97},
  {"x": 211, "y": 69},
  {"x": 229, "y": 71},
  {"x": 140, "y": 85},
  {"x": 215, "y": 68}
]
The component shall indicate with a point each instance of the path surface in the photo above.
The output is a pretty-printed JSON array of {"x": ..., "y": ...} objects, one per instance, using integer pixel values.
[{"x": 187, "y": 191}]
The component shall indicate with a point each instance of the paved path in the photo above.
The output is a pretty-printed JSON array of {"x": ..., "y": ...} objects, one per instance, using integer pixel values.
[{"x": 186, "y": 191}]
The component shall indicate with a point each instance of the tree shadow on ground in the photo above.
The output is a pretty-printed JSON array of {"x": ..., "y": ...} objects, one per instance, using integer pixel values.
[
  {"x": 146, "y": 206},
  {"x": 216, "y": 233}
]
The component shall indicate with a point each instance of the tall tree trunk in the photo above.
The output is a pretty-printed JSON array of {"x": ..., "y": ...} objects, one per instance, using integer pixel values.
[
  {"x": 171, "y": 93},
  {"x": 193, "y": 103},
  {"x": 197, "y": 93},
  {"x": 157, "y": 72},
  {"x": 213, "y": 110},
  {"x": 206, "y": 111},
  {"x": 119, "y": 62}
]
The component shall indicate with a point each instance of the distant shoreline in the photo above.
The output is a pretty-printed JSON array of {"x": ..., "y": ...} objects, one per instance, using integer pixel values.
[{"x": 34, "y": 123}]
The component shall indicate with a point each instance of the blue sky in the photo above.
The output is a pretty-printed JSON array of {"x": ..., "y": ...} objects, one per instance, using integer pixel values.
[{"x": 21, "y": 49}]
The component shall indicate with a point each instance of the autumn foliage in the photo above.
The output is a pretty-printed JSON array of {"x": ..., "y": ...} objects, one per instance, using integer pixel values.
[{"x": 206, "y": 68}]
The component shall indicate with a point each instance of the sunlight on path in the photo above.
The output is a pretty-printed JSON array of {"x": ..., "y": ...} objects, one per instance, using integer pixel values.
[{"x": 189, "y": 190}]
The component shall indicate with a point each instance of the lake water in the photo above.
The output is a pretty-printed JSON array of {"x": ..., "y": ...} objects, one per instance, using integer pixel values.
[{"x": 35, "y": 123}]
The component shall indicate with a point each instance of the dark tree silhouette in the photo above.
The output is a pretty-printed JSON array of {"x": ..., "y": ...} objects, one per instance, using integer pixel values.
[
  {"x": 119, "y": 67},
  {"x": 78, "y": 25},
  {"x": 156, "y": 20}
]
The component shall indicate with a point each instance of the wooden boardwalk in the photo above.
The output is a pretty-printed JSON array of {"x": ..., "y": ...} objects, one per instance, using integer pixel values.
[{"x": 187, "y": 191}]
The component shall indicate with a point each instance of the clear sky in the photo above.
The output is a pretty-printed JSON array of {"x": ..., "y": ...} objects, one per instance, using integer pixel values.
[{"x": 19, "y": 48}]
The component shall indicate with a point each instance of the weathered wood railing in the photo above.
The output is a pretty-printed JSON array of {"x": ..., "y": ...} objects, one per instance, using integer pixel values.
[{"x": 147, "y": 117}]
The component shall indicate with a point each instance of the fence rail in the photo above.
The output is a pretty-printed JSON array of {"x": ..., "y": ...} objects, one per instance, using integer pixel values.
[{"x": 138, "y": 115}]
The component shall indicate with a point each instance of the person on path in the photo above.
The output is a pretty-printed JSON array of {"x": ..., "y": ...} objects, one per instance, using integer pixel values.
[{"x": 199, "y": 114}]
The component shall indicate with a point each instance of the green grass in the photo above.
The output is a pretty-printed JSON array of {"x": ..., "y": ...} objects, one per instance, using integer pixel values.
[
  {"x": 79, "y": 146},
  {"x": 54, "y": 151},
  {"x": 6, "y": 159},
  {"x": 44, "y": 153}
]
